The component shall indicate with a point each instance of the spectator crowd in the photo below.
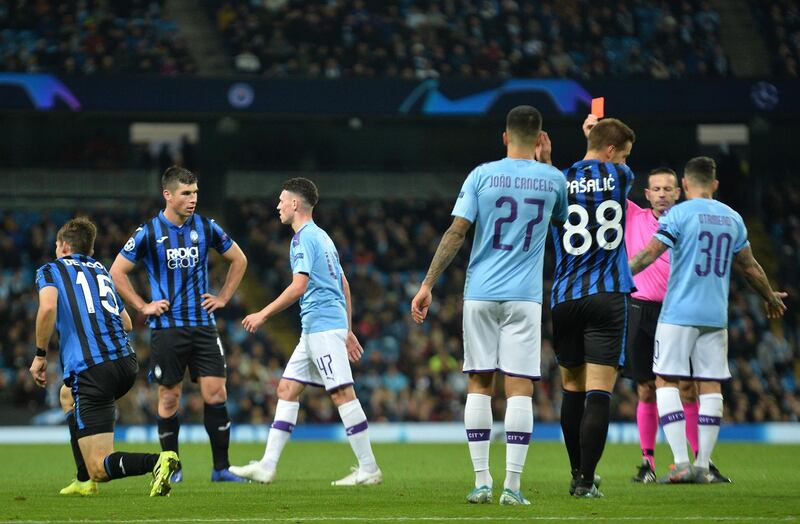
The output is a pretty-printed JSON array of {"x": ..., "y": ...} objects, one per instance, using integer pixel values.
[
  {"x": 85, "y": 37},
  {"x": 780, "y": 26},
  {"x": 408, "y": 373},
  {"x": 473, "y": 38}
]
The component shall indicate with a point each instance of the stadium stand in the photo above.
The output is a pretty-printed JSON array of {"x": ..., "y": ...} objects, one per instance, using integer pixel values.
[
  {"x": 91, "y": 37},
  {"x": 471, "y": 38},
  {"x": 780, "y": 26}
]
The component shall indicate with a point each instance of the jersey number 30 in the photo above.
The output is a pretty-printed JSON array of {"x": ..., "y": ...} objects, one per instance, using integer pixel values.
[{"x": 606, "y": 225}]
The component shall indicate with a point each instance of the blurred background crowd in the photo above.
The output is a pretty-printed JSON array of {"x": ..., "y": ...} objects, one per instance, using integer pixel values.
[
  {"x": 408, "y": 373},
  {"x": 648, "y": 39}
]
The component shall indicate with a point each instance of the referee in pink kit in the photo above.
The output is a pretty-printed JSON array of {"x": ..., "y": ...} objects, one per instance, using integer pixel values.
[{"x": 662, "y": 193}]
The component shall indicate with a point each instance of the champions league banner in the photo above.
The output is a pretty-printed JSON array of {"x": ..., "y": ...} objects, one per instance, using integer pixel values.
[{"x": 194, "y": 96}]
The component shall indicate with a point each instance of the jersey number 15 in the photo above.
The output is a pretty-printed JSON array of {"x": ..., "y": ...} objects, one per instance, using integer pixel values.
[{"x": 104, "y": 290}]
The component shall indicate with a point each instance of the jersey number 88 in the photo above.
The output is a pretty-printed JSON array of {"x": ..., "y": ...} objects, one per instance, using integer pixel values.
[{"x": 585, "y": 244}]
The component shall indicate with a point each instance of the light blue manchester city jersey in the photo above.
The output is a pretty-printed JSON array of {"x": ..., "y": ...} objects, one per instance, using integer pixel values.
[
  {"x": 510, "y": 201},
  {"x": 704, "y": 235},
  {"x": 322, "y": 306}
]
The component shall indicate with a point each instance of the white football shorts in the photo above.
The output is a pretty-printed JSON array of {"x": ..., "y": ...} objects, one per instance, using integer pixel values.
[
  {"x": 320, "y": 359},
  {"x": 691, "y": 351},
  {"x": 503, "y": 336}
]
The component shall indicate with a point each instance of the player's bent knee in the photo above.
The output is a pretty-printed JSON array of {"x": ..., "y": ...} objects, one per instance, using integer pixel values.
[
  {"x": 215, "y": 396},
  {"x": 343, "y": 395},
  {"x": 168, "y": 401},
  {"x": 289, "y": 390}
]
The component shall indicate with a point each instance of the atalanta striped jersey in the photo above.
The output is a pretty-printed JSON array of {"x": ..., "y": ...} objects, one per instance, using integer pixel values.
[
  {"x": 88, "y": 316},
  {"x": 590, "y": 252},
  {"x": 176, "y": 260}
]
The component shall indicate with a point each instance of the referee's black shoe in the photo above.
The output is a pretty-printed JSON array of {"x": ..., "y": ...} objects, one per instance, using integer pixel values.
[{"x": 646, "y": 473}]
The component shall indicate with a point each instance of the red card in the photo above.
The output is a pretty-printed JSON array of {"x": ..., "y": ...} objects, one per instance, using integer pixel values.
[{"x": 598, "y": 106}]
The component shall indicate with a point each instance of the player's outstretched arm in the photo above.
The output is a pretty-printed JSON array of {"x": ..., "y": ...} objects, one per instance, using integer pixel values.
[
  {"x": 119, "y": 274},
  {"x": 45, "y": 324},
  {"x": 745, "y": 263},
  {"x": 647, "y": 255},
  {"x": 238, "y": 265},
  {"x": 448, "y": 247},
  {"x": 290, "y": 295}
]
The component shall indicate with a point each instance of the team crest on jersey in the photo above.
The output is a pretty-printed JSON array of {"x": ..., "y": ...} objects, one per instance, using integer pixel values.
[
  {"x": 130, "y": 244},
  {"x": 296, "y": 241},
  {"x": 194, "y": 237}
]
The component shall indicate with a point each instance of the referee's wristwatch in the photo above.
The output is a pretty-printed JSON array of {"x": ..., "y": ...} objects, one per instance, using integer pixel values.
[{"x": 41, "y": 352}]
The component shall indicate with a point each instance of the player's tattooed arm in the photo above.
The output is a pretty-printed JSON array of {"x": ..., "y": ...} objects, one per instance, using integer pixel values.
[
  {"x": 448, "y": 247},
  {"x": 647, "y": 255},
  {"x": 745, "y": 263}
]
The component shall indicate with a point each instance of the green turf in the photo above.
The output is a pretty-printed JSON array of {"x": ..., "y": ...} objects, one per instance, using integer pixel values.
[{"x": 422, "y": 483}]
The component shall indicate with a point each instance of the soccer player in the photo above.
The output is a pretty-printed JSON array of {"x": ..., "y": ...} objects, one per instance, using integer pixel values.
[
  {"x": 590, "y": 295},
  {"x": 326, "y": 342},
  {"x": 174, "y": 248},
  {"x": 707, "y": 238},
  {"x": 511, "y": 201},
  {"x": 78, "y": 298}
]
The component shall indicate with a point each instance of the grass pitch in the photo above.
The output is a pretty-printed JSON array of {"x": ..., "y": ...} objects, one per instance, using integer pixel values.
[{"x": 423, "y": 483}]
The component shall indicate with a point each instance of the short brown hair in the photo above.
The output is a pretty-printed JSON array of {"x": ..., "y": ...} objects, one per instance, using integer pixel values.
[
  {"x": 176, "y": 174},
  {"x": 701, "y": 170},
  {"x": 663, "y": 170},
  {"x": 304, "y": 188},
  {"x": 524, "y": 123},
  {"x": 610, "y": 132},
  {"x": 80, "y": 234}
]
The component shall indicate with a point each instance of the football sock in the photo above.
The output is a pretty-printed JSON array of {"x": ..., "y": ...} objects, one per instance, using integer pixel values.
[
  {"x": 708, "y": 426},
  {"x": 279, "y": 433},
  {"x": 83, "y": 473},
  {"x": 691, "y": 411},
  {"x": 673, "y": 421},
  {"x": 593, "y": 432},
  {"x": 355, "y": 423},
  {"x": 168, "y": 430},
  {"x": 572, "y": 408},
  {"x": 647, "y": 422},
  {"x": 121, "y": 464},
  {"x": 218, "y": 427},
  {"x": 518, "y": 425},
  {"x": 478, "y": 423}
]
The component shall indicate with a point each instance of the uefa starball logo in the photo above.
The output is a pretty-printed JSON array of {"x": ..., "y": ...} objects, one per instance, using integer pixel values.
[{"x": 182, "y": 257}]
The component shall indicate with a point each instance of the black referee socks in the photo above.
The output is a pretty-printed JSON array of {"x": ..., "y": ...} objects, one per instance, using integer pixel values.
[{"x": 218, "y": 427}]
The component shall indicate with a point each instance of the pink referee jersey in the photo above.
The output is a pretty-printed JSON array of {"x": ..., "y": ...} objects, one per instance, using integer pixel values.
[{"x": 640, "y": 225}]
